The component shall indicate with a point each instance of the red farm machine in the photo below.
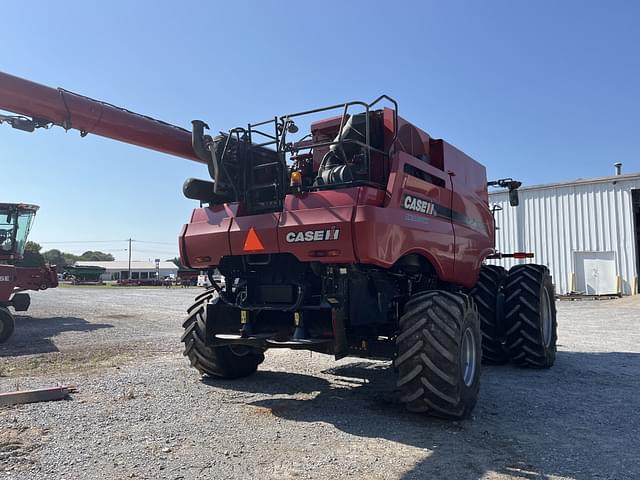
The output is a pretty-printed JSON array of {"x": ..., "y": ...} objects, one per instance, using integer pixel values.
[
  {"x": 15, "y": 223},
  {"x": 354, "y": 234}
]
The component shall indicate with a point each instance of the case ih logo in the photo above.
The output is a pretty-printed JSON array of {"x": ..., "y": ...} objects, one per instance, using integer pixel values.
[
  {"x": 313, "y": 235},
  {"x": 418, "y": 205}
]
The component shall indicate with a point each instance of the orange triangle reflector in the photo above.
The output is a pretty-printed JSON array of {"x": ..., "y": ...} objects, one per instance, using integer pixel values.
[{"x": 252, "y": 242}]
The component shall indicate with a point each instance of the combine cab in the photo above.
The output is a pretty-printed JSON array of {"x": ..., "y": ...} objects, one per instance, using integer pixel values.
[
  {"x": 352, "y": 233},
  {"x": 15, "y": 223}
]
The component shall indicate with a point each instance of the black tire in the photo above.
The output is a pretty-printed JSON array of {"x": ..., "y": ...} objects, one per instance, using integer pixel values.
[
  {"x": 530, "y": 316},
  {"x": 223, "y": 362},
  {"x": 488, "y": 296},
  {"x": 433, "y": 376},
  {"x": 7, "y": 324}
]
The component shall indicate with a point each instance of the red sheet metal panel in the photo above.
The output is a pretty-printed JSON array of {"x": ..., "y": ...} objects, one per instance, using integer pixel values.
[
  {"x": 316, "y": 226},
  {"x": 205, "y": 240},
  {"x": 244, "y": 231}
]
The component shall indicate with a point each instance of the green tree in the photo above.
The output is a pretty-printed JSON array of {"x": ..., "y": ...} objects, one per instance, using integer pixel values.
[
  {"x": 63, "y": 259},
  {"x": 32, "y": 256},
  {"x": 70, "y": 258},
  {"x": 175, "y": 260},
  {"x": 54, "y": 257},
  {"x": 96, "y": 256}
]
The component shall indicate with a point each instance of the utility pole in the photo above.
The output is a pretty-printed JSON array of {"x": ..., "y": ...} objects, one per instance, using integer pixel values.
[{"x": 129, "y": 276}]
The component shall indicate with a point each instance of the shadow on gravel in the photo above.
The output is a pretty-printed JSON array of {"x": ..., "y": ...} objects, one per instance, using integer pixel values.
[
  {"x": 34, "y": 335},
  {"x": 578, "y": 420}
]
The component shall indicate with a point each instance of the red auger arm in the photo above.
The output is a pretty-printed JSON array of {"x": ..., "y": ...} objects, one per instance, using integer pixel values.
[{"x": 46, "y": 106}]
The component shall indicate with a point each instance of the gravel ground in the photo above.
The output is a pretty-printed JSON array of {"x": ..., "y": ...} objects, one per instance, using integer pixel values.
[{"x": 141, "y": 412}]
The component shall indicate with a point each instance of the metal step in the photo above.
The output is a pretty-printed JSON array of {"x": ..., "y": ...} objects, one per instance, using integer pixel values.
[
  {"x": 232, "y": 336},
  {"x": 299, "y": 342}
]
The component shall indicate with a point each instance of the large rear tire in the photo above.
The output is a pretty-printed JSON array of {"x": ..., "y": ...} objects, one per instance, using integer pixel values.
[
  {"x": 7, "y": 324},
  {"x": 222, "y": 362},
  {"x": 530, "y": 316},
  {"x": 439, "y": 354},
  {"x": 489, "y": 298}
]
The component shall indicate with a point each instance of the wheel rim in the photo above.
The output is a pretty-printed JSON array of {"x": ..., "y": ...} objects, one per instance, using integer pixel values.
[
  {"x": 468, "y": 357},
  {"x": 546, "y": 318}
]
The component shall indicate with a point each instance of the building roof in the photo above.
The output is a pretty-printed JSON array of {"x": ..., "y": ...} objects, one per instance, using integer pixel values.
[
  {"x": 578, "y": 181},
  {"x": 124, "y": 265}
]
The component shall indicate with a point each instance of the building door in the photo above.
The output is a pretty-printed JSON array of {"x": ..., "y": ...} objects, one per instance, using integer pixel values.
[
  {"x": 596, "y": 273},
  {"x": 635, "y": 199}
]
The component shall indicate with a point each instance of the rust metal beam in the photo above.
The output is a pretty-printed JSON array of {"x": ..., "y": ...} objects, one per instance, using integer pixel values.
[{"x": 38, "y": 395}]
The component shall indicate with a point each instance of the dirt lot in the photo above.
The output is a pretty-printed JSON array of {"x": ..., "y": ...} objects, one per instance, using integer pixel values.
[{"x": 141, "y": 412}]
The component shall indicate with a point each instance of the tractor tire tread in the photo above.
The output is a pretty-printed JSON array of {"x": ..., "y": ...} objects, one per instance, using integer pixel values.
[
  {"x": 7, "y": 324},
  {"x": 219, "y": 362},
  {"x": 428, "y": 354},
  {"x": 485, "y": 294},
  {"x": 524, "y": 338}
]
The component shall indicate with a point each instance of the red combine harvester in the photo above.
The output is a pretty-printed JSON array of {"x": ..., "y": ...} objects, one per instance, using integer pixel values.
[
  {"x": 15, "y": 223},
  {"x": 361, "y": 236}
]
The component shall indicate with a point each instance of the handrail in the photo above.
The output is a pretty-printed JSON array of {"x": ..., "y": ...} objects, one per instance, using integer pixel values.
[{"x": 282, "y": 125}]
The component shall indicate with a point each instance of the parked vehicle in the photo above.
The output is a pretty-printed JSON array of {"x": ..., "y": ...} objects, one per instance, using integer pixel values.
[
  {"x": 362, "y": 236},
  {"x": 15, "y": 224}
]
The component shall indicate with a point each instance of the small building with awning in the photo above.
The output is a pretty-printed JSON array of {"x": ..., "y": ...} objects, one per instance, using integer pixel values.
[{"x": 136, "y": 270}]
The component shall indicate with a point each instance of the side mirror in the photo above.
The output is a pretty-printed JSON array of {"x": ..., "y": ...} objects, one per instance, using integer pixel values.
[
  {"x": 512, "y": 185},
  {"x": 514, "y": 201}
]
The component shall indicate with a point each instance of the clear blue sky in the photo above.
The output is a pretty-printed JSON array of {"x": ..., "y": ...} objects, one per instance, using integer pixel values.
[{"x": 542, "y": 91}]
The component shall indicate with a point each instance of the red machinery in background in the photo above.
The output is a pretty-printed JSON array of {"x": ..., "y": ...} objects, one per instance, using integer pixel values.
[{"x": 15, "y": 223}]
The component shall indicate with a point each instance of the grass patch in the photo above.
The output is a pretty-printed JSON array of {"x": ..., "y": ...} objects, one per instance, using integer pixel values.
[
  {"x": 18, "y": 442},
  {"x": 76, "y": 361}
]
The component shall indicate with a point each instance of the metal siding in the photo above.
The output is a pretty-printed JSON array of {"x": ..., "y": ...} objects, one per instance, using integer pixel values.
[{"x": 556, "y": 221}]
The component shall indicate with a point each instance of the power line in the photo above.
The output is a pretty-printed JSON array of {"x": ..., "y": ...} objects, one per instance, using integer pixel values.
[
  {"x": 126, "y": 240},
  {"x": 163, "y": 252},
  {"x": 87, "y": 241},
  {"x": 111, "y": 250},
  {"x": 77, "y": 246},
  {"x": 156, "y": 243},
  {"x": 153, "y": 250}
]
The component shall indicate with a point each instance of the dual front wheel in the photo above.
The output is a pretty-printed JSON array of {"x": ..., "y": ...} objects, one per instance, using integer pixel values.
[
  {"x": 517, "y": 315},
  {"x": 443, "y": 337}
]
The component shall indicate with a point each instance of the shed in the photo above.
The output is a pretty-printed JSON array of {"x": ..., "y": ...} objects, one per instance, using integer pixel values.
[
  {"x": 587, "y": 232},
  {"x": 119, "y": 270}
]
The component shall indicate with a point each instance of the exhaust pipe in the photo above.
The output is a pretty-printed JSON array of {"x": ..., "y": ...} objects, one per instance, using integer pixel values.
[
  {"x": 618, "y": 167},
  {"x": 197, "y": 140},
  {"x": 200, "y": 147}
]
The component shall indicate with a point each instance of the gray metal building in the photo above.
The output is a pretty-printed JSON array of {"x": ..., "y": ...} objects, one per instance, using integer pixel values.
[
  {"x": 140, "y": 270},
  {"x": 586, "y": 231}
]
